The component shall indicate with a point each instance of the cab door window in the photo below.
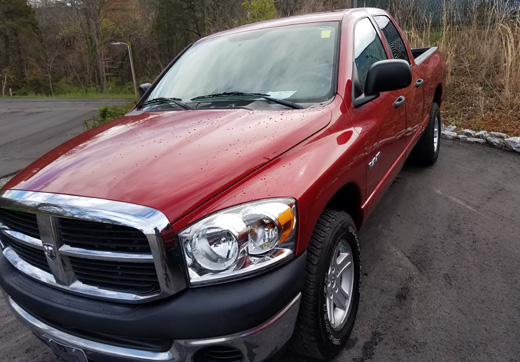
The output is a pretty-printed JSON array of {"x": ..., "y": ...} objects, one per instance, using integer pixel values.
[{"x": 368, "y": 49}]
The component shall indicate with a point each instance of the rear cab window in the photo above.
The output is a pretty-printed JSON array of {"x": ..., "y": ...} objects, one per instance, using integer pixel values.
[{"x": 393, "y": 39}]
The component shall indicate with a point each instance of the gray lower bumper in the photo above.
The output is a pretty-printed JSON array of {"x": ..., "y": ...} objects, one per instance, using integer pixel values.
[{"x": 256, "y": 344}]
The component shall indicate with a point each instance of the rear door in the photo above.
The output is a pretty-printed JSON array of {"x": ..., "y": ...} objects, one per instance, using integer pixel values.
[{"x": 414, "y": 93}]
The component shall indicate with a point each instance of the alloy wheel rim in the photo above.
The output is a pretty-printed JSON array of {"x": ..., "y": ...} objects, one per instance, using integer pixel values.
[
  {"x": 339, "y": 285},
  {"x": 436, "y": 134}
]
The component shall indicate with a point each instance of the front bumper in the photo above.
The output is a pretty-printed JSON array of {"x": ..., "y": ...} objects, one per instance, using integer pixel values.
[
  {"x": 254, "y": 316},
  {"x": 256, "y": 344}
]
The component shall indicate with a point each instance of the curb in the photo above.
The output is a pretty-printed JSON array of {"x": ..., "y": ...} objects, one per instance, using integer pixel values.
[{"x": 494, "y": 139}]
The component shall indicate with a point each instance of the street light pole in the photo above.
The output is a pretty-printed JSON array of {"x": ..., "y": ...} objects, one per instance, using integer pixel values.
[{"x": 131, "y": 62}]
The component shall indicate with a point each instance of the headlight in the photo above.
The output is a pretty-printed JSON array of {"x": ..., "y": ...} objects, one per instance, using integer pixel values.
[{"x": 240, "y": 240}]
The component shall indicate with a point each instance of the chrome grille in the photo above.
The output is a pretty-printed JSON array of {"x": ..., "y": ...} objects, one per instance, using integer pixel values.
[
  {"x": 31, "y": 255},
  {"x": 102, "y": 237},
  {"x": 101, "y": 248},
  {"x": 138, "y": 278},
  {"x": 22, "y": 222}
]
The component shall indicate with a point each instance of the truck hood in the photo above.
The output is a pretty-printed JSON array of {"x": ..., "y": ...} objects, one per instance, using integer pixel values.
[{"x": 171, "y": 161}]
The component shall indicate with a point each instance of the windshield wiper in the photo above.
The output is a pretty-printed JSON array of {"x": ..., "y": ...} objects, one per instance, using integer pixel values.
[
  {"x": 163, "y": 100},
  {"x": 244, "y": 94},
  {"x": 230, "y": 94},
  {"x": 283, "y": 102}
]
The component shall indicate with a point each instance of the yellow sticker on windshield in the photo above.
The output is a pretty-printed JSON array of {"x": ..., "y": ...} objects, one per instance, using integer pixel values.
[{"x": 325, "y": 34}]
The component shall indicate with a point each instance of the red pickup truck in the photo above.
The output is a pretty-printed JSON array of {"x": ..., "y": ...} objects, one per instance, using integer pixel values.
[{"x": 217, "y": 220}]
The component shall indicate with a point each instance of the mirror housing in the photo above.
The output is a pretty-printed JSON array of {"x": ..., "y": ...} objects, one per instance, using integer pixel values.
[
  {"x": 143, "y": 88},
  {"x": 384, "y": 76},
  {"x": 388, "y": 75}
]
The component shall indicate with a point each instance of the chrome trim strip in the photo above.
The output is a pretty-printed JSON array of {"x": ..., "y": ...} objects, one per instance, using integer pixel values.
[
  {"x": 27, "y": 268},
  {"x": 60, "y": 265},
  {"x": 21, "y": 238},
  {"x": 149, "y": 221},
  {"x": 258, "y": 343},
  {"x": 104, "y": 255},
  {"x": 91, "y": 290},
  {"x": 140, "y": 217}
]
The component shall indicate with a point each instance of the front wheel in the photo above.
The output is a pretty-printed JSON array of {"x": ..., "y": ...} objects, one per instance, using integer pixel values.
[{"x": 331, "y": 293}]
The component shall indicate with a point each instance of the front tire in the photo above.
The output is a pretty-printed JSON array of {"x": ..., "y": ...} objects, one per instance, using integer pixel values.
[{"x": 330, "y": 297}]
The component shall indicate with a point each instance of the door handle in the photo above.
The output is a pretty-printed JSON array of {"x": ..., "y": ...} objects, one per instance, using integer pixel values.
[
  {"x": 399, "y": 102},
  {"x": 419, "y": 83}
]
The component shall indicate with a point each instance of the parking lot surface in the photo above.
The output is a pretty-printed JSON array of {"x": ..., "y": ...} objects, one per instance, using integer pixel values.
[
  {"x": 30, "y": 127},
  {"x": 440, "y": 261}
]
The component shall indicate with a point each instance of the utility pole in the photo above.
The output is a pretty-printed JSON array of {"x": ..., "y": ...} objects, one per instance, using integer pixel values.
[{"x": 131, "y": 62}]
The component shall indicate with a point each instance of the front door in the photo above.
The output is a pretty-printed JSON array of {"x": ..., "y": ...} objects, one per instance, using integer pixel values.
[{"x": 383, "y": 120}]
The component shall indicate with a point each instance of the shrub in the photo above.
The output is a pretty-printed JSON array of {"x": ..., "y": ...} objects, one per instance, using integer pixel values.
[
  {"x": 258, "y": 10},
  {"x": 108, "y": 113}
]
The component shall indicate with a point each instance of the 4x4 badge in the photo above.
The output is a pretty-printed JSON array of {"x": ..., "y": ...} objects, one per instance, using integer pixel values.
[{"x": 49, "y": 251}]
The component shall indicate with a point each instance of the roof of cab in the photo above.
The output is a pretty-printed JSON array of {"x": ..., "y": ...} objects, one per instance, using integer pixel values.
[{"x": 290, "y": 20}]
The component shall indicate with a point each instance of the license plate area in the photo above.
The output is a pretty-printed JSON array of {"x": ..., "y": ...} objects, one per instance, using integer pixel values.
[{"x": 67, "y": 353}]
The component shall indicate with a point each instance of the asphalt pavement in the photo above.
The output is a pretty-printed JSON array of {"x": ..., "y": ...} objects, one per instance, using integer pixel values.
[
  {"x": 30, "y": 127},
  {"x": 440, "y": 257},
  {"x": 440, "y": 261}
]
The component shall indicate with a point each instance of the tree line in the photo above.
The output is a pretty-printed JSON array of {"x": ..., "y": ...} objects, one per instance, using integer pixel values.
[{"x": 53, "y": 47}]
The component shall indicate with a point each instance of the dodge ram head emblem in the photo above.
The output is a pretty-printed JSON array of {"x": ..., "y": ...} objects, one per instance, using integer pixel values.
[{"x": 49, "y": 251}]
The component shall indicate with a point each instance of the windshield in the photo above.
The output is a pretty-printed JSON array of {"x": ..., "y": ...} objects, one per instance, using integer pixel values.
[{"x": 295, "y": 63}]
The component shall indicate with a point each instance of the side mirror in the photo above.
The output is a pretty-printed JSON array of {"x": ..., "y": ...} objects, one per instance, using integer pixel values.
[
  {"x": 388, "y": 75},
  {"x": 143, "y": 88},
  {"x": 384, "y": 76}
]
